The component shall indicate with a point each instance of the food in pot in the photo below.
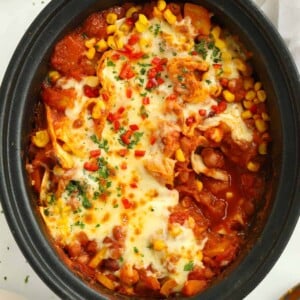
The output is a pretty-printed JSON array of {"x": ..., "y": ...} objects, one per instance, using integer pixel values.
[{"x": 150, "y": 151}]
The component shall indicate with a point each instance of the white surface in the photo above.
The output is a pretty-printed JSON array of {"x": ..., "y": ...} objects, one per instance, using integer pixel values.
[{"x": 15, "y": 273}]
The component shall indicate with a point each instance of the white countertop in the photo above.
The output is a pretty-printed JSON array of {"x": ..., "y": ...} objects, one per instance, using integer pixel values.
[{"x": 16, "y": 275}]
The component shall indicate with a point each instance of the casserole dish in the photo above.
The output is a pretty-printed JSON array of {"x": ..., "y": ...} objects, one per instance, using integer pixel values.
[{"x": 15, "y": 139}]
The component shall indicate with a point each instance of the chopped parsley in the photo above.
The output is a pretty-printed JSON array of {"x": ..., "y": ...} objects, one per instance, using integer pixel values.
[
  {"x": 134, "y": 139},
  {"x": 103, "y": 144},
  {"x": 26, "y": 279},
  {"x": 189, "y": 266},
  {"x": 110, "y": 63},
  {"x": 143, "y": 112},
  {"x": 75, "y": 187},
  {"x": 202, "y": 49},
  {"x": 157, "y": 29},
  {"x": 79, "y": 224}
]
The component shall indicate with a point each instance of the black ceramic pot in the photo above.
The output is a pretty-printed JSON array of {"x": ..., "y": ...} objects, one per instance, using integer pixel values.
[{"x": 19, "y": 94}]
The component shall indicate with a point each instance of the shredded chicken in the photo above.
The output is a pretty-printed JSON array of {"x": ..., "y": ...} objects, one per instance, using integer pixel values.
[
  {"x": 162, "y": 168},
  {"x": 186, "y": 76},
  {"x": 199, "y": 167}
]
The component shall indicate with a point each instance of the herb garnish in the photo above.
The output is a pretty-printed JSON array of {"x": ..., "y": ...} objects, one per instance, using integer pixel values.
[
  {"x": 189, "y": 266},
  {"x": 103, "y": 144}
]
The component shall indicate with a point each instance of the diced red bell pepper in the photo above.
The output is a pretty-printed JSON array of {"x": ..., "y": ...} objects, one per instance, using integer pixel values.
[
  {"x": 91, "y": 166},
  {"x": 95, "y": 153},
  {"x": 126, "y": 71},
  {"x": 139, "y": 153},
  {"x": 91, "y": 92},
  {"x": 126, "y": 203},
  {"x": 126, "y": 137}
]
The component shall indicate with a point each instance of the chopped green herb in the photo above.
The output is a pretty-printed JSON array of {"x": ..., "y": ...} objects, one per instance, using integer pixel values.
[
  {"x": 156, "y": 29},
  {"x": 110, "y": 63},
  {"x": 80, "y": 224},
  {"x": 46, "y": 212},
  {"x": 143, "y": 71},
  {"x": 208, "y": 81},
  {"x": 136, "y": 250},
  {"x": 201, "y": 48},
  {"x": 189, "y": 266},
  {"x": 97, "y": 225},
  {"x": 143, "y": 112},
  {"x": 51, "y": 199},
  {"x": 80, "y": 189},
  {"x": 103, "y": 144},
  {"x": 26, "y": 279}
]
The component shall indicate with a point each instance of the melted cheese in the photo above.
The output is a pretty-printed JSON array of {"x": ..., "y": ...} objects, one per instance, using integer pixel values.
[{"x": 150, "y": 200}]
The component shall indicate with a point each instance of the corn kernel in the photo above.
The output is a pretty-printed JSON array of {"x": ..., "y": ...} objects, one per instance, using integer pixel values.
[
  {"x": 200, "y": 255},
  {"x": 246, "y": 114},
  {"x": 118, "y": 40},
  {"x": 157, "y": 13},
  {"x": 175, "y": 230},
  {"x": 131, "y": 10},
  {"x": 248, "y": 83},
  {"x": 257, "y": 86},
  {"x": 220, "y": 44},
  {"x": 179, "y": 155},
  {"x": 240, "y": 65},
  {"x": 142, "y": 24},
  {"x": 199, "y": 185},
  {"x": 161, "y": 5},
  {"x": 158, "y": 245},
  {"x": 140, "y": 27},
  {"x": 261, "y": 125},
  {"x": 262, "y": 148},
  {"x": 253, "y": 166},
  {"x": 261, "y": 95},
  {"x": 111, "y": 43},
  {"x": 41, "y": 138},
  {"x": 227, "y": 69},
  {"x": 216, "y": 31},
  {"x": 144, "y": 43},
  {"x": 97, "y": 110},
  {"x": 53, "y": 76},
  {"x": 110, "y": 29},
  {"x": 226, "y": 56},
  {"x": 101, "y": 45},
  {"x": 228, "y": 96},
  {"x": 90, "y": 54},
  {"x": 125, "y": 28},
  {"x": 143, "y": 19},
  {"x": 250, "y": 95},
  {"x": 169, "y": 16},
  {"x": 90, "y": 43},
  {"x": 92, "y": 81},
  {"x": 247, "y": 104},
  {"x": 111, "y": 18}
]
